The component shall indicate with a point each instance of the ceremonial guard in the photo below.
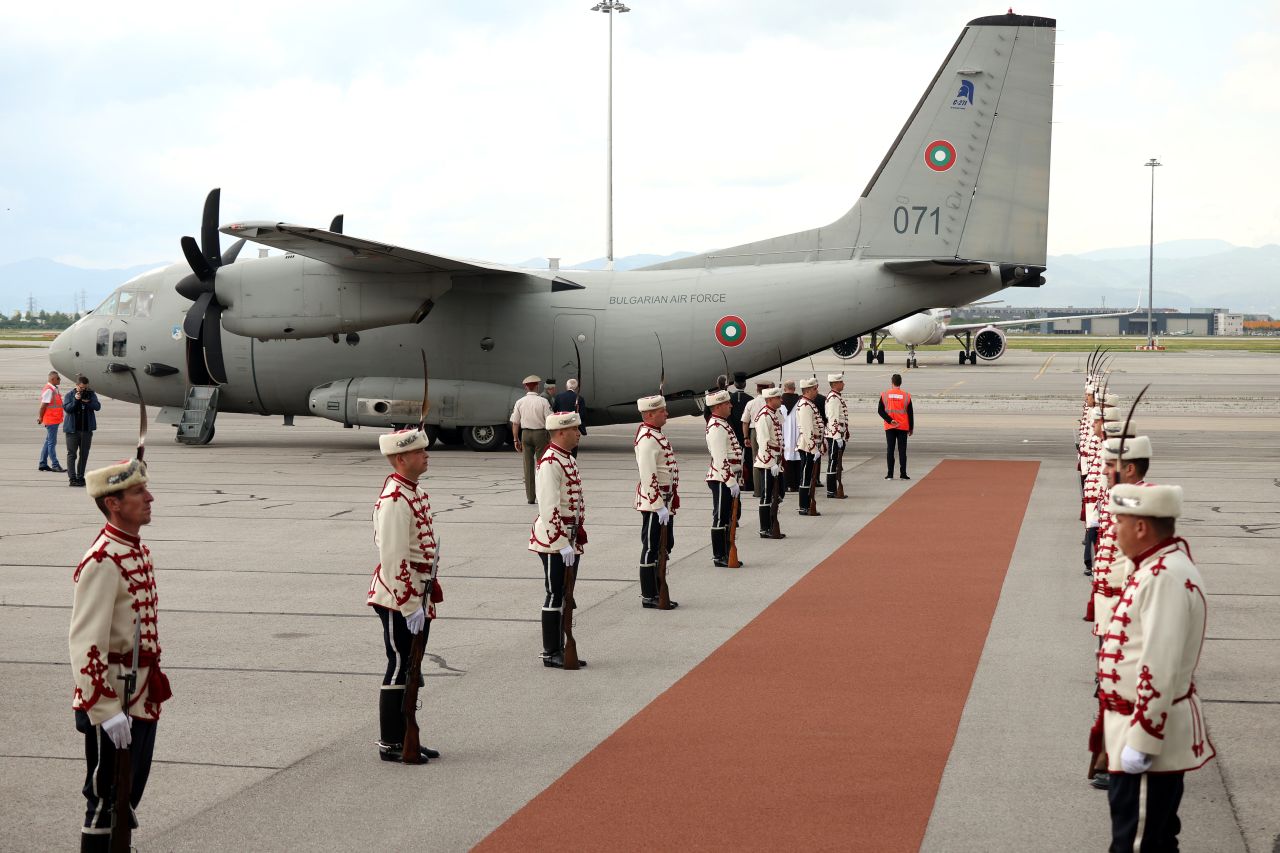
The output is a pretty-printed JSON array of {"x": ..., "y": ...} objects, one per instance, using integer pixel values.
[
  {"x": 766, "y": 439},
  {"x": 1151, "y": 723},
  {"x": 558, "y": 535},
  {"x": 657, "y": 494},
  {"x": 837, "y": 433},
  {"x": 403, "y": 591},
  {"x": 1111, "y": 569},
  {"x": 739, "y": 398},
  {"x": 724, "y": 477},
  {"x": 749, "y": 413},
  {"x": 810, "y": 440},
  {"x": 115, "y": 649},
  {"x": 1094, "y": 487}
]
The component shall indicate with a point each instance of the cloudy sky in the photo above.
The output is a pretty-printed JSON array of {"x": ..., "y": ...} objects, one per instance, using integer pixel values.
[{"x": 477, "y": 129}]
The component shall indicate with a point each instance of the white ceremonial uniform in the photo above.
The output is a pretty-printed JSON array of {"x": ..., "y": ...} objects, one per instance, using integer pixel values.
[
  {"x": 114, "y": 583},
  {"x": 809, "y": 427},
  {"x": 561, "y": 508},
  {"x": 726, "y": 453},
  {"x": 837, "y": 416},
  {"x": 1147, "y": 663},
  {"x": 766, "y": 439},
  {"x": 659, "y": 481},
  {"x": 406, "y": 542}
]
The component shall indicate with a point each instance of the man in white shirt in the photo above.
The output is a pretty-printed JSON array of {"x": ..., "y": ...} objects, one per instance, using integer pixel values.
[{"x": 529, "y": 430}]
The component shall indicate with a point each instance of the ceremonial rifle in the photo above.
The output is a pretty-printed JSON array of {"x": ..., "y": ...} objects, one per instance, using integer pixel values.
[
  {"x": 411, "y": 749},
  {"x": 570, "y": 654},
  {"x": 122, "y": 808},
  {"x": 734, "y": 562},
  {"x": 664, "y": 594}
]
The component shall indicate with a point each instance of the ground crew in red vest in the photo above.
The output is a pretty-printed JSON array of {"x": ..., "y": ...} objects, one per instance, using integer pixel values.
[
  {"x": 657, "y": 493},
  {"x": 115, "y": 601},
  {"x": 404, "y": 590},
  {"x": 1151, "y": 723},
  {"x": 50, "y": 417},
  {"x": 837, "y": 433},
  {"x": 558, "y": 534},
  {"x": 899, "y": 422}
]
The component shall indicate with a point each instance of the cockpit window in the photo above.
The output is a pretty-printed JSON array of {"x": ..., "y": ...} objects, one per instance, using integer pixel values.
[
  {"x": 124, "y": 308},
  {"x": 107, "y": 308},
  {"x": 142, "y": 304}
]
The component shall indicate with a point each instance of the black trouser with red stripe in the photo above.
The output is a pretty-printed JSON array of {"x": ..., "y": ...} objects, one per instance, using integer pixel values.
[
  {"x": 1145, "y": 806},
  {"x": 100, "y": 772},
  {"x": 808, "y": 471},
  {"x": 650, "y": 543}
]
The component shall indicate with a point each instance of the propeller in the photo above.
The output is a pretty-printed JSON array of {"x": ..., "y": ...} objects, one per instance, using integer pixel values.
[{"x": 203, "y": 323}]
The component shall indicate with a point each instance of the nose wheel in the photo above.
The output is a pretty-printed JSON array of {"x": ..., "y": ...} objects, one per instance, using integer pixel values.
[{"x": 912, "y": 362}]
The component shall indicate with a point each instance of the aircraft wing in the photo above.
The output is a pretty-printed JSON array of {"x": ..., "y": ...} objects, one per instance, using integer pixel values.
[
  {"x": 342, "y": 250},
  {"x": 1031, "y": 321}
]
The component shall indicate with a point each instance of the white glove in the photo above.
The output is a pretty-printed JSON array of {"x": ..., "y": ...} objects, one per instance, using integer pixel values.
[
  {"x": 119, "y": 729},
  {"x": 840, "y": 443},
  {"x": 734, "y": 489},
  {"x": 1134, "y": 762},
  {"x": 664, "y": 514},
  {"x": 568, "y": 555},
  {"x": 777, "y": 470},
  {"x": 416, "y": 620}
]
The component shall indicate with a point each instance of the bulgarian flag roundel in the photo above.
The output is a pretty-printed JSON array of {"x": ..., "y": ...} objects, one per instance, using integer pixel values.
[
  {"x": 940, "y": 155},
  {"x": 731, "y": 331}
]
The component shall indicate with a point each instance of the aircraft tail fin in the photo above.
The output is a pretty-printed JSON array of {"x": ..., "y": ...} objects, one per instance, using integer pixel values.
[{"x": 968, "y": 176}]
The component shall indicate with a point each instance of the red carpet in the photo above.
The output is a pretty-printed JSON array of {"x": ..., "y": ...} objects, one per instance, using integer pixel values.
[{"x": 826, "y": 722}]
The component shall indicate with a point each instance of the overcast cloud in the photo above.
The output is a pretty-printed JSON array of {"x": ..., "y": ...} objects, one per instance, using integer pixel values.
[{"x": 478, "y": 129}]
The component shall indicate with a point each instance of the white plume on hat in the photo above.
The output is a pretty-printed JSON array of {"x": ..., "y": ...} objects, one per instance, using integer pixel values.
[
  {"x": 115, "y": 478},
  {"x": 715, "y": 398},
  {"x": 651, "y": 404},
  {"x": 562, "y": 420},
  {"x": 1148, "y": 501},
  {"x": 402, "y": 441}
]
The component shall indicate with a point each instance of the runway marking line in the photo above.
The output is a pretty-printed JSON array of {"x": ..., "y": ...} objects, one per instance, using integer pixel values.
[
  {"x": 1048, "y": 361},
  {"x": 826, "y": 722}
]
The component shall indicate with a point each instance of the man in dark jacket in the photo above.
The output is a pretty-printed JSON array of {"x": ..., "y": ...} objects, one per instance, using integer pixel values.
[
  {"x": 79, "y": 404},
  {"x": 569, "y": 400}
]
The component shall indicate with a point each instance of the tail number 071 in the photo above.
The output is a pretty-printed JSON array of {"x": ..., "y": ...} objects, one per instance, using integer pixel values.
[{"x": 902, "y": 217}]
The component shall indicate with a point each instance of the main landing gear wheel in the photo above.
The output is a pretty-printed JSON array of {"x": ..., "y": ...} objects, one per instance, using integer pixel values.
[
  {"x": 963, "y": 356},
  {"x": 973, "y": 357},
  {"x": 208, "y": 438},
  {"x": 482, "y": 438}
]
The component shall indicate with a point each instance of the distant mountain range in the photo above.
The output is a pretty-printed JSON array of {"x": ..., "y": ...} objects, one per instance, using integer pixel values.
[{"x": 1189, "y": 274}]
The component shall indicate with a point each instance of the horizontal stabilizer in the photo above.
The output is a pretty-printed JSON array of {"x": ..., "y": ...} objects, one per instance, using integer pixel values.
[{"x": 937, "y": 268}]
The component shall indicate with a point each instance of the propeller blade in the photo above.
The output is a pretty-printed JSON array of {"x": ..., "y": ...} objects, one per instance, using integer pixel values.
[
  {"x": 230, "y": 255},
  {"x": 192, "y": 325},
  {"x": 199, "y": 263},
  {"x": 212, "y": 341},
  {"x": 190, "y": 287},
  {"x": 336, "y": 225},
  {"x": 210, "y": 243}
]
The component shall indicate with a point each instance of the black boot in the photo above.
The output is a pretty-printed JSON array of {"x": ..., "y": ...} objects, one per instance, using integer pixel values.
[
  {"x": 95, "y": 843},
  {"x": 391, "y": 727},
  {"x": 552, "y": 640},
  {"x": 765, "y": 520},
  {"x": 648, "y": 582},
  {"x": 720, "y": 547}
]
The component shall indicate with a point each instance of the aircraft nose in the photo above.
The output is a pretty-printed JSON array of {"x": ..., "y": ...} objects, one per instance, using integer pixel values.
[{"x": 62, "y": 353}]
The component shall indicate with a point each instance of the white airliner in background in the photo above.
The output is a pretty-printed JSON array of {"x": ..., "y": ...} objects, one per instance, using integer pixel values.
[{"x": 978, "y": 340}]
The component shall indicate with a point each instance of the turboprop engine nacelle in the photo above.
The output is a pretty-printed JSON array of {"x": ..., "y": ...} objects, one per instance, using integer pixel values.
[
  {"x": 988, "y": 343},
  {"x": 293, "y": 297},
  {"x": 387, "y": 401}
]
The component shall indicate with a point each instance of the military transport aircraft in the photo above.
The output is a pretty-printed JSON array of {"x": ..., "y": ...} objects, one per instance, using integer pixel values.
[
  {"x": 929, "y": 328},
  {"x": 957, "y": 209}
]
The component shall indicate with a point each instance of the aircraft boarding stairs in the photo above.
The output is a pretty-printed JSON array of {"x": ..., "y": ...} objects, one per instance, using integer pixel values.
[{"x": 198, "y": 415}]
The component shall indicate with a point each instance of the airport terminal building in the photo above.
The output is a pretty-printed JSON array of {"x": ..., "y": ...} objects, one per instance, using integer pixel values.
[{"x": 1213, "y": 321}]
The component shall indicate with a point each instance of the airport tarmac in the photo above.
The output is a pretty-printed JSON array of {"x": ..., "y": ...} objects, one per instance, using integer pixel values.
[{"x": 263, "y": 548}]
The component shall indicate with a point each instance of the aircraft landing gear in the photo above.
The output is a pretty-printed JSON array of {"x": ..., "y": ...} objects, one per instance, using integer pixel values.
[
  {"x": 911, "y": 357},
  {"x": 967, "y": 352}
]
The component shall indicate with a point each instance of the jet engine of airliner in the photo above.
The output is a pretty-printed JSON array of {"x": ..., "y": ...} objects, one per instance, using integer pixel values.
[
  {"x": 989, "y": 343},
  {"x": 848, "y": 348}
]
